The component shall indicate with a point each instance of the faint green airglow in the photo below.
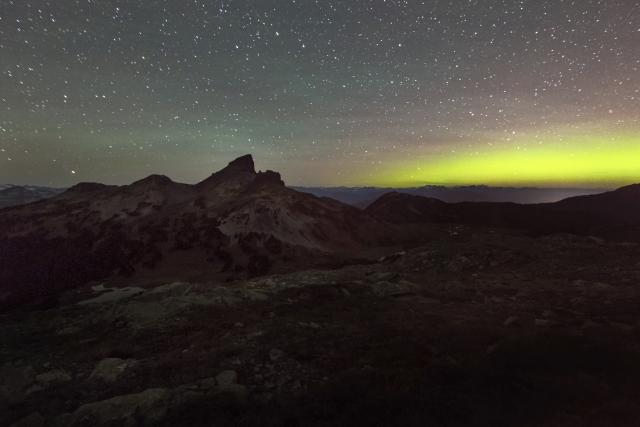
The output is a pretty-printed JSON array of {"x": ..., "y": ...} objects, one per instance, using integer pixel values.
[{"x": 552, "y": 161}]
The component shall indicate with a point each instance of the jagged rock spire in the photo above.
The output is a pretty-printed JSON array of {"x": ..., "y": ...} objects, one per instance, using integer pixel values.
[{"x": 244, "y": 164}]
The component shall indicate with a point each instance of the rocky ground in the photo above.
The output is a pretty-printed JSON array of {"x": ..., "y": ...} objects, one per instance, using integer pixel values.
[{"x": 477, "y": 327}]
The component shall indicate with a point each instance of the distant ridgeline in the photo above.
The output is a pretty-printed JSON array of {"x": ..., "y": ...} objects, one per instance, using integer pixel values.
[
  {"x": 363, "y": 196},
  {"x": 13, "y": 195}
]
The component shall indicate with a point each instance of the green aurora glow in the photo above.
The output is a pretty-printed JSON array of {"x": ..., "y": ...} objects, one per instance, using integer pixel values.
[{"x": 554, "y": 161}]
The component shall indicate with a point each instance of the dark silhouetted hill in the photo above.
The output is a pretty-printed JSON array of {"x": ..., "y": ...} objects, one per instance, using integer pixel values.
[
  {"x": 363, "y": 196},
  {"x": 614, "y": 214}
]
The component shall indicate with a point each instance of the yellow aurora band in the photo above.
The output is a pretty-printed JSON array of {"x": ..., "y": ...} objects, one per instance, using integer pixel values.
[{"x": 556, "y": 161}]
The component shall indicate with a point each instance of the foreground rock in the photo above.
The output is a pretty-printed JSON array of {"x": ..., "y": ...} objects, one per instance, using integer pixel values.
[
  {"x": 114, "y": 295},
  {"x": 139, "y": 409},
  {"x": 56, "y": 376},
  {"x": 110, "y": 369},
  {"x": 150, "y": 406}
]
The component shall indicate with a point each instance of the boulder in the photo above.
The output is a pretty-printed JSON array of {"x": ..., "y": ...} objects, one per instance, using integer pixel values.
[
  {"x": 208, "y": 383},
  {"x": 68, "y": 330},
  {"x": 227, "y": 385},
  {"x": 544, "y": 323},
  {"x": 55, "y": 376},
  {"x": 110, "y": 369},
  {"x": 139, "y": 409},
  {"x": 114, "y": 295},
  {"x": 237, "y": 391},
  {"x": 226, "y": 378},
  {"x": 275, "y": 354},
  {"x": 173, "y": 288},
  {"x": 385, "y": 276},
  {"x": 255, "y": 295},
  {"x": 392, "y": 289}
]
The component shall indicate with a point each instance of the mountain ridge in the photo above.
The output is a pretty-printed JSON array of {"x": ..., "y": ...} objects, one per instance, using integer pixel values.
[
  {"x": 613, "y": 214},
  {"x": 363, "y": 196},
  {"x": 235, "y": 223}
]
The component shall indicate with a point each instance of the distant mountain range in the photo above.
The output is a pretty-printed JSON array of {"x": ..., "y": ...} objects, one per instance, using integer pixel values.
[
  {"x": 12, "y": 195},
  {"x": 613, "y": 215},
  {"x": 363, "y": 196}
]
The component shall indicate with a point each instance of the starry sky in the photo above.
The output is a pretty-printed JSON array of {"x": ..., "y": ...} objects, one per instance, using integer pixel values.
[{"x": 328, "y": 92}]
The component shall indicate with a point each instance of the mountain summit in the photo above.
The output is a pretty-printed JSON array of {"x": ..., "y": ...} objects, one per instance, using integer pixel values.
[
  {"x": 238, "y": 176},
  {"x": 243, "y": 164}
]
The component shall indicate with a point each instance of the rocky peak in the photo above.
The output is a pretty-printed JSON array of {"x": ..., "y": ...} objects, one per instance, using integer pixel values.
[
  {"x": 240, "y": 172},
  {"x": 242, "y": 164}
]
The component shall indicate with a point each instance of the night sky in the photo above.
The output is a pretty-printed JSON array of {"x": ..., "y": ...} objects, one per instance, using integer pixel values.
[{"x": 348, "y": 92}]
